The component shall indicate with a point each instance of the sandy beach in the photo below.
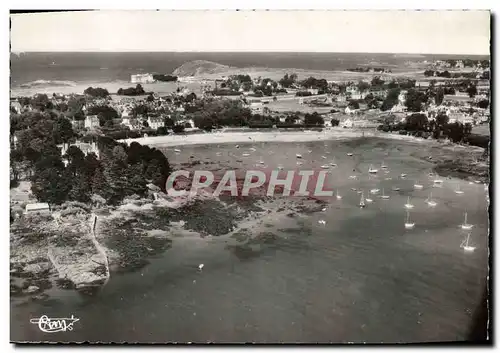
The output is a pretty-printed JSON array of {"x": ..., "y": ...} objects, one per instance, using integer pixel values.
[{"x": 268, "y": 136}]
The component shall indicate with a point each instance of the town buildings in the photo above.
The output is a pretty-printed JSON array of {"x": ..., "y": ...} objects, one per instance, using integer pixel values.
[{"x": 142, "y": 78}]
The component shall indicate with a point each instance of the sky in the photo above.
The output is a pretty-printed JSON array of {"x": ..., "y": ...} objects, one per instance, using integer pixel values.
[{"x": 416, "y": 32}]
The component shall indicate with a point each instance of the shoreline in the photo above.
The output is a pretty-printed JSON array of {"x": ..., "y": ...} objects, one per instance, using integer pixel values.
[{"x": 264, "y": 136}]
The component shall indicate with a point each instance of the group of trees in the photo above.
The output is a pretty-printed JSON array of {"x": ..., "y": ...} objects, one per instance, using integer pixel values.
[
  {"x": 311, "y": 82},
  {"x": 96, "y": 92},
  {"x": 164, "y": 78},
  {"x": 288, "y": 80},
  {"x": 104, "y": 113},
  {"x": 131, "y": 91},
  {"x": 418, "y": 124}
]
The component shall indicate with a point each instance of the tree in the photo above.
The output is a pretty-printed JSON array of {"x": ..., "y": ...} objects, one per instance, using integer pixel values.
[
  {"x": 415, "y": 100},
  {"x": 377, "y": 81},
  {"x": 442, "y": 119},
  {"x": 353, "y": 105},
  {"x": 96, "y": 92},
  {"x": 313, "y": 119},
  {"x": 439, "y": 96},
  {"x": 63, "y": 131},
  {"x": 136, "y": 183},
  {"x": 177, "y": 129},
  {"x": 416, "y": 122},
  {"x": 483, "y": 103},
  {"x": 472, "y": 91},
  {"x": 335, "y": 122},
  {"x": 391, "y": 99},
  {"x": 150, "y": 98},
  {"x": 169, "y": 122},
  {"x": 363, "y": 86}
]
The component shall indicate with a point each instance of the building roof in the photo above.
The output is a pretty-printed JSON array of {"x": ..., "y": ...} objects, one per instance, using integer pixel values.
[{"x": 37, "y": 206}]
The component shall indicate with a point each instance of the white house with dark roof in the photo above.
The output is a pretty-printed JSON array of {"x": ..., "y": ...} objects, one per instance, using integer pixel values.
[{"x": 91, "y": 121}]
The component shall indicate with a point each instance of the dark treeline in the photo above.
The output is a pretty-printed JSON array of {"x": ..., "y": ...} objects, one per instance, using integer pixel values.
[
  {"x": 164, "y": 78},
  {"x": 119, "y": 171},
  {"x": 131, "y": 91}
]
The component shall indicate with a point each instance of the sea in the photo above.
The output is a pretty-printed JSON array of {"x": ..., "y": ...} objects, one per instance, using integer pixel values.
[
  {"x": 44, "y": 70},
  {"x": 359, "y": 276}
]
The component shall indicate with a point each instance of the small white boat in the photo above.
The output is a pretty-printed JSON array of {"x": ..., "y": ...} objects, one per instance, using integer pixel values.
[
  {"x": 299, "y": 163},
  {"x": 280, "y": 167},
  {"x": 298, "y": 155},
  {"x": 409, "y": 224},
  {"x": 352, "y": 177},
  {"x": 458, "y": 190},
  {"x": 362, "y": 201},
  {"x": 466, "y": 225},
  {"x": 333, "y": 164},
  {"x": 325, "y": 166},
  {"x": 389, "y": 178},
  {"x": 477, "y": 181},
  {"x": 327, "y": 152},
  {"x": 324, "y": 157},
  {"x": 403, "y": 175},
  {"x": 176, "y": 150},
  {"x": 465, "y": 245},
  {"x": 383, "y": 166},
  {"x": 339, "y": 197},
  {"x": 310, "y": 151},
  {"x": 418, "y": 186},
  {"x": 396, "y": 189},
  {"x": 369, "y": 200},
  {"x": 218, "y": 154},
  {"x": 353, "y": 189},
  {"x": 384, "y": 196},
  {"x": 252, "y": 149},
  {"x": 237, "y": 146},
  {"x": 372, "y": 170},
  {"x": 438, "y": 181},
  {"x": 322, "y": 222},
  {"x": 260, "y": 162},
  {"x": 245, "y": 154},
  {"x": 200, "y": 266},
  {"x": 374, "y": 191},
  {"x": 430, "y": 201},
  {"x": 349, "y": 154},
  {"x": 408, "y": 204}
]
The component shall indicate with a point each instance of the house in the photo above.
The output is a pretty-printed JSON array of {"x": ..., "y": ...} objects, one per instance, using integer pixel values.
[
  {"x": 16, "y": 106},
  {"x": 349, "y": 110},
  {"x": 37, "y": 208},
  {"x": 341, "y": 98},
  {"x": 381, "y": 93},
  {"x": 91, "y": 121},
  {"x": 347, "y": 123},
  {"x": 402, "y": 97},
  {"x": 256, "y": 107},
  {"x": 77, "y": 124},
  {"x": 459, "y": 64},
  {"x": 313, "y": 91},
  {"x": 142, "y": 78},
  {"x": 86, "y": 148},
  {"x": 155, "y": 122}
]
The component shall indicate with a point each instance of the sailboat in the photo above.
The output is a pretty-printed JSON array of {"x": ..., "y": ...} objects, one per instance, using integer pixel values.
[
  {"x": 408, "y": 223},
  {"x": 368, "y": 200},
  {"x": 384, "y": 196},
  {"x": 458, "y": 191},
  {"x": 372, "y": 170},
  {"x": 465, "y": 225},
  {"x": 418, "y": 186},
  {"x": 430, "y": 201},
  {"x": 362, "y": 201},
  {"x": 339, "y": 197},
  {"x": 408, "y": 204},
  {"x": 465, "y": 244}
]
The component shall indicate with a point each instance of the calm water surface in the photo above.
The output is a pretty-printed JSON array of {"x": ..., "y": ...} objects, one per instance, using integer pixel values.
[{"x": 361, "y": 277}]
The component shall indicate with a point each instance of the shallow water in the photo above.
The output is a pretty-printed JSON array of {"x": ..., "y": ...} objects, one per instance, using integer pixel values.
[{"x": 361, "y": 277}]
